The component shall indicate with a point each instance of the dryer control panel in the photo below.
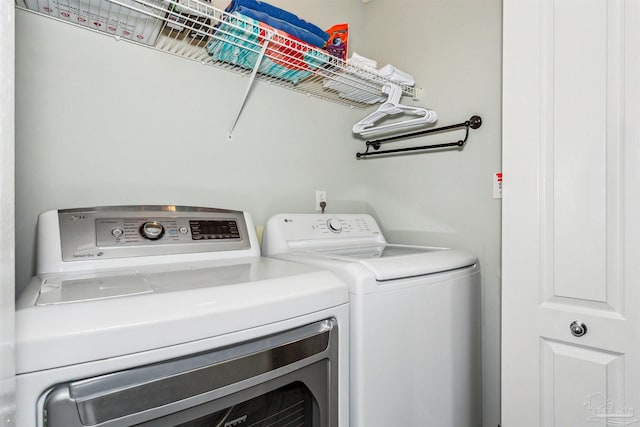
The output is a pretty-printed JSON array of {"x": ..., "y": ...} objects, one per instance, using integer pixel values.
[
  {"x": 128, "y": 231},
  {"x": 145, "y": 231}
]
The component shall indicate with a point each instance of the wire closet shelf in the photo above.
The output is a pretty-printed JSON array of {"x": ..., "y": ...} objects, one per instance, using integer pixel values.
[{"x": 201, "y": 32}]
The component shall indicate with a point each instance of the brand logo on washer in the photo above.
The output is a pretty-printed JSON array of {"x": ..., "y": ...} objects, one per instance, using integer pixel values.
[{"x": 235, "y": 422}]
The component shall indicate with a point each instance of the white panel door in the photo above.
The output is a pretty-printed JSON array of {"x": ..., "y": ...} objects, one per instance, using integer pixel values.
[{"x": 571, "y": 213}]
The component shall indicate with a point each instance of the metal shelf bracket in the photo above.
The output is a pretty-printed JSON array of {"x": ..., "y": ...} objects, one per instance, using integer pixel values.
[{"x": 252, "y": 78}]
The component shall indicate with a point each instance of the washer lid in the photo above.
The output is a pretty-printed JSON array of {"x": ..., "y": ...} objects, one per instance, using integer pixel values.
[{"x": 390, "y": 262}]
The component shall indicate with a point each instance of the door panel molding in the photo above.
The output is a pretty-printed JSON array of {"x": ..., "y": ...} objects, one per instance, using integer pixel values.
[
  {"x": 581, "y": 150},
  {"x": 575, "y": 379}
]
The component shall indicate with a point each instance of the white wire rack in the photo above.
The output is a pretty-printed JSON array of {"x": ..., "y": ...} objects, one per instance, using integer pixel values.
[{"x": 198, "y": 31}]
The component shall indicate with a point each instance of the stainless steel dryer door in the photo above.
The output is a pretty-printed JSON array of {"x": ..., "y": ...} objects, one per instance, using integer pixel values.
[{"x": 284, "y": 377}]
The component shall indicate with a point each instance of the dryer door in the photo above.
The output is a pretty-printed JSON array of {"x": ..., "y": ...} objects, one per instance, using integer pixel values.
[{"x": 284, "y": 377}]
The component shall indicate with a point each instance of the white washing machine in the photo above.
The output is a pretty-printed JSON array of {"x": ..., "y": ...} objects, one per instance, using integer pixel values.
[
  {"x": 415, "y": 319},
  {"x": 168, "y": 316}
]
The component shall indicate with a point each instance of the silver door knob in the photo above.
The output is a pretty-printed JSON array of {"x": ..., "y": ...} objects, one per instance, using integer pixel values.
[{"x": 578, "y": 328}]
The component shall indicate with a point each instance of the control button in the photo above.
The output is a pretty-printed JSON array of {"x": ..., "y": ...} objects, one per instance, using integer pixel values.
[
  {"x": 117, "y": 232},
  {"x": 184, "y": 230},
  {"x": 334, "y": 225},
  {"x": 152, "y": 230}
]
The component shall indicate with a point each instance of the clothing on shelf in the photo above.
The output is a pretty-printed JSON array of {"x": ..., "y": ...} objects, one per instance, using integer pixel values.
[
  {"x": 362, "y": 61},
  {"x": 281, "y": 20},
  {"x": 357, "y": 64},
  {"x": 392, "y": 73},
  {"x": 239, "y": 39}
]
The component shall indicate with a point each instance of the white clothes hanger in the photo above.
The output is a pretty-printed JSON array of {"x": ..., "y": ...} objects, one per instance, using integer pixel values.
[{"x": 390, "y": 107}]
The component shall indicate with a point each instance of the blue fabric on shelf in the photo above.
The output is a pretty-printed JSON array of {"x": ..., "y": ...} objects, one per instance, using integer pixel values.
[
  {"x": 236, "y": 41},
  {"x": 281, "y": 20},
  {"x": 297, "y": 32}
]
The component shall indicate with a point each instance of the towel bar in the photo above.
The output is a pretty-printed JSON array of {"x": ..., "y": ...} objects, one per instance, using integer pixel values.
[{"x": 474, "y": 123}]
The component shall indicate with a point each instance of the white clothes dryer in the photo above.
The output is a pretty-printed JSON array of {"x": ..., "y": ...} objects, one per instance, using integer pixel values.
[
  {"x": 168, "y": 316},
  {"x": 415, "y": 319}
]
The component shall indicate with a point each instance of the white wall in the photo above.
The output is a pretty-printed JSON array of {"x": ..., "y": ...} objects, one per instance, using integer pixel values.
[
  {"x": 7, "y": 259},
  {"x": 103, "y": 122},
  {"x": 106, "y": 122},
  {"x": 453, "y": 49}
]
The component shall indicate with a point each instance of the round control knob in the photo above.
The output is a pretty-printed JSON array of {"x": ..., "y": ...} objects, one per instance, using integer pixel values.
[
  {"x": 152, "y": 230},
  {"x": 334, "y": 225},
  {"x": 117, "y": 232}
]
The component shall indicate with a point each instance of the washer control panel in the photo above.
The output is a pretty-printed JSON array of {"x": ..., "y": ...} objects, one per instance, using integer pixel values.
[
  {"x": 310, "y": 226},
  {"x": 286, "y": 232},
  {"x": 149, "y": 230}
]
